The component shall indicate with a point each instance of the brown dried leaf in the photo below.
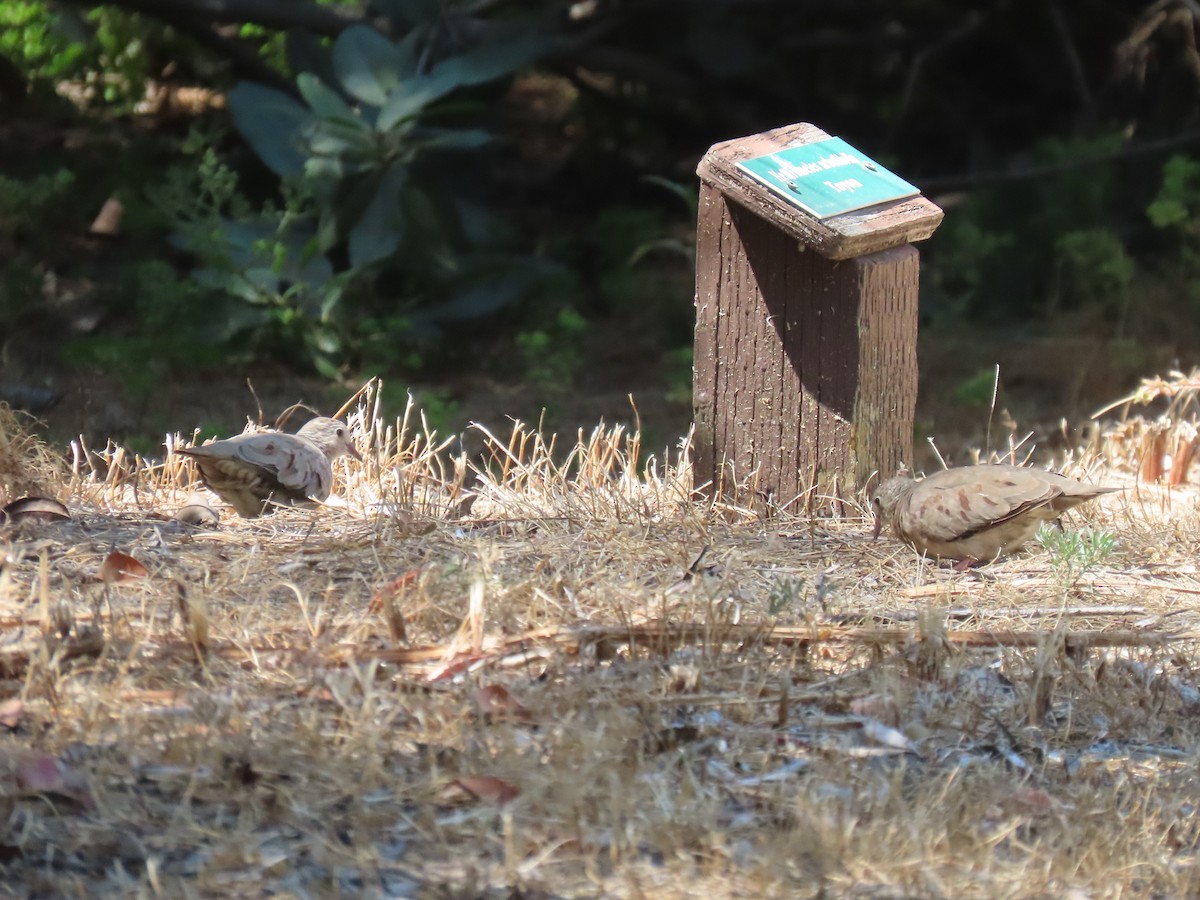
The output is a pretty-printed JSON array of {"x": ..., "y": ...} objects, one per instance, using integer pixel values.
[
  {"x": 495, "y": 701},
  {"x": 34, "y": 509},
  {"x": 395, "y": 588},
  {"x": 1033, "y": 801},
  {"x": 118, "y": 567},
  {"x": 478, "y": 789},
  {"x": 26, "y": 773},
  {"x": 199, "y": 514},
  {"x": 11, "y": 712},
  {"x": 108, "y": 220}
]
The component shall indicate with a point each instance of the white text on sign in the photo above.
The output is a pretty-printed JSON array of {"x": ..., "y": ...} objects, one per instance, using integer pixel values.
[
  {"x": 789, "y": 170},
  {"x": 848, "y": 184},
  {"x": 826, "y": 178}
]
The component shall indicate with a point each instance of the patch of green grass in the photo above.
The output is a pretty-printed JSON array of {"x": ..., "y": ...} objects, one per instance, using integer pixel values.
[{"x": 1074, "y": 553}]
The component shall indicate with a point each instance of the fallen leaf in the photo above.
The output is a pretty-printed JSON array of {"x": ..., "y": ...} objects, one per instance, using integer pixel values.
[
  {"x": 393, "y": 589},
  {"x": 11, "y": 712},
  {"x": 25, "y": 773},
  {"x": 495, "y": 701},
  {"x": 34, "y": 509},
  {"x": 478, "y": 789},
  {"x": 1032, "y": 800},
  {"x": 118, "y": 567},
  {"x": 199, "y": 514},
  {"x": 108, "y": 220}
]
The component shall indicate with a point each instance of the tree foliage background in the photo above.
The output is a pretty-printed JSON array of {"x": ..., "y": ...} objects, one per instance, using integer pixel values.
[{"x": 417, "y": 187}]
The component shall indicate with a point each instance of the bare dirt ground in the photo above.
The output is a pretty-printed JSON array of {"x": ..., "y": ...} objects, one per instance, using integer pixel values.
[{"x": 584, "y": 682}]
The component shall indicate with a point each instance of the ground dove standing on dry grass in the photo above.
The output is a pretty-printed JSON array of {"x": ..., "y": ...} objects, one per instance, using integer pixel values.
[
  {"x": 976, "y": 513},
  {"x": 253, "y": 472}
]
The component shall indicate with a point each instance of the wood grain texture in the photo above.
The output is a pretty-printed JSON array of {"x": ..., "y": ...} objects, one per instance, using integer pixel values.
[
  {"x": 706, "y": 369},
  {"x": 886, "y": 399},
  {"x": 805, "y": 373},
  {"x": 838, "y": 237}
]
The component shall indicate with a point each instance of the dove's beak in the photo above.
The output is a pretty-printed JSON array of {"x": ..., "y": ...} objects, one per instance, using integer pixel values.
[
  {"x": 353, "y": 451},
  {"x": 878, "y": 527}
]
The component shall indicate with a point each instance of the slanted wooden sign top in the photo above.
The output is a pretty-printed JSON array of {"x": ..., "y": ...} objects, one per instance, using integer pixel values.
[
  {"x": 827, "y": 178},
  {"x": 868, "y": 218}
]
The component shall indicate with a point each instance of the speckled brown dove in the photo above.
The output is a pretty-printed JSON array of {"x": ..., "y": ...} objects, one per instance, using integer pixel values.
[
  {"x": 976, "y": 513},
  {"x": 253, "y": 472}
]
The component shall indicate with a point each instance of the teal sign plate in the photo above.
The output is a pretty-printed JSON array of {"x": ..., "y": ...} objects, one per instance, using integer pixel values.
[{"x": 827, "y": 178}]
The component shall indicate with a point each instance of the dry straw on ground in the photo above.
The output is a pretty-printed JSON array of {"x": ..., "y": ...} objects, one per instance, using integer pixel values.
[{"x": 556, "y": 672}]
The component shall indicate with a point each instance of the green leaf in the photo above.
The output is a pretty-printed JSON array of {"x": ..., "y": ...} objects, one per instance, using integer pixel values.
[
  {"x": 410, "y": 100},
  {"x": 485, "y": 290},
  {"x": 237, "y": 318},
  {"x": 241, "y": 236},
  {"x": 376, "y": 235},
  {"x": 325, "y": 367},
  {"x": 323, "y": 176},
  {"x": 330, "y": 143},
  {"x": 327, "y": 229},
  {"x": 316, "y": 271},
  {"x": 472, "y": 302},
  {"x": 491, "y": 60},
  {"x": 369, "y": 66},
  {"x": 1163, "y": 213},
  {"x": 484, "y": 63},
  {"x": 322, "y": 100},
  {"x": 270, "y": 121},
  {"x": 332, "y": 297}
]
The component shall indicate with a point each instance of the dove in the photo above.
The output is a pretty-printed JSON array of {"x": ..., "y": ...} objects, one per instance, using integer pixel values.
[
  {"x": 976, "y": 513},
  {"x": 254, "y": 472}
]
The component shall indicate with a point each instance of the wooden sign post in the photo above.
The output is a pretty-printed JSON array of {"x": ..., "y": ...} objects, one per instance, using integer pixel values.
[{"x": 805, "y": 378}]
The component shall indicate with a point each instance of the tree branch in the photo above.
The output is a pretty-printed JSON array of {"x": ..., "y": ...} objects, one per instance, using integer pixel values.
[{"x": 1050, "y": 170}]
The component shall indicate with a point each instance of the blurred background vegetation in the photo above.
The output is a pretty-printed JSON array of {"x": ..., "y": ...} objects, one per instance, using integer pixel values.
[{"x": 492, "y": 203}]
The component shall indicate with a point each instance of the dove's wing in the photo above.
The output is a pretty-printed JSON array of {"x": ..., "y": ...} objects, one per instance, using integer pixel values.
[
  {"x": 1072, "y": 492},
  {"x": 298, "y": 465},
  {"x": 957, "y": 503},
  {"x": 266, "y": 464}
]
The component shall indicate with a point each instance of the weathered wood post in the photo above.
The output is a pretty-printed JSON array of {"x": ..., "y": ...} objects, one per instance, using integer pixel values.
[{"x": 805, "y": 376}]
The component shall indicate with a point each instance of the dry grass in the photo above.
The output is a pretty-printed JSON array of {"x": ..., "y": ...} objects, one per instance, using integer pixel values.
[
  {"x": 527, "y": 677},
  {"x": 1161, "y": 441}
]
